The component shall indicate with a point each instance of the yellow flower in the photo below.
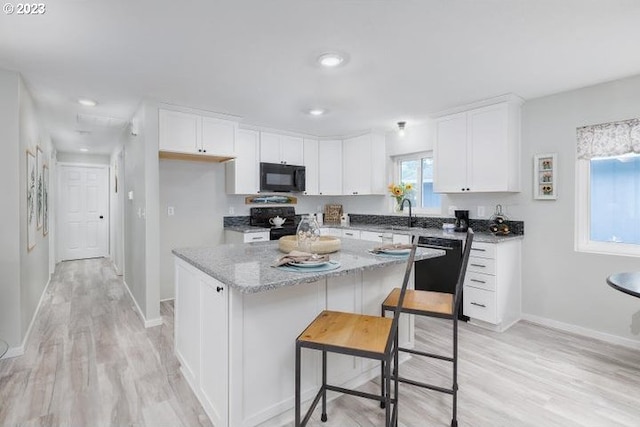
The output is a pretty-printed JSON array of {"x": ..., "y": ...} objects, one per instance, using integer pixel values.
[
  {"x": 397, "y": 191},
  {"x": 408, "y": 187}
]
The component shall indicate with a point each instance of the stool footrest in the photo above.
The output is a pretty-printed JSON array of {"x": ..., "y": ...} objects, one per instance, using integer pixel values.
[
  {"x": 422, "y": 353},
  {"x": 358, "y": 393},
  {"x": 425, "y": 385}
]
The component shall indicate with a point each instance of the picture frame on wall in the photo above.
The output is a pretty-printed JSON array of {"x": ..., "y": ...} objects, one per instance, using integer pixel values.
[
  {"x": 545, "y": 176},
  {"x": 39, "y": 184},
  {"x": 32, "y": 176},
  {"x": 45, "y": 200}
]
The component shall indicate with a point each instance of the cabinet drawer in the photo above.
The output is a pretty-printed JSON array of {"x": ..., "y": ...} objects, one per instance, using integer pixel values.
[
  {"x": 484, "y": 250},
  {"x": 480, "y": 280},
  {"x": 482, "y": 265},
  {"x": 263, "y": 236},
  {"x": 351, "y": 234},
  {"x": 480, "y": 304}
]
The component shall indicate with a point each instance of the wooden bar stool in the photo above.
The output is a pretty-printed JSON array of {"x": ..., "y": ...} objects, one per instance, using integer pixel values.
[
  {"x": 359, "y": 335},
  {"x": 432, "y": 304}
]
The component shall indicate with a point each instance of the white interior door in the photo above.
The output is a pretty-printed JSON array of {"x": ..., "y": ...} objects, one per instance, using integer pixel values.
[{"x": 83, "y": 211}]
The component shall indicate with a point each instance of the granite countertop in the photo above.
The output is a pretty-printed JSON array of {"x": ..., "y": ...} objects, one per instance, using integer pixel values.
[
  {"x": 246, "y": 228},
  {"x": 247, "y": 267},
  {"x": 478, "y": 236}
]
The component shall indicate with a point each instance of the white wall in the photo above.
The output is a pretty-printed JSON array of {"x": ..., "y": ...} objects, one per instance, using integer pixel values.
[
  {"x": 92, "y": 159},
  {"x": 11, "y": 157}
]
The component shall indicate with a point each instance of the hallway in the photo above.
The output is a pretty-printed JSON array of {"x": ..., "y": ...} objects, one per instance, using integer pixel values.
[{"x": 90, "y": 362}]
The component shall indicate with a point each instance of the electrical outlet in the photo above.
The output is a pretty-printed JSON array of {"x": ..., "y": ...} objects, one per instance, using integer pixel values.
[
  {"x": 452, "y": 210},
  {"x": 170, "y": 211},
  {"x": 232, "y": 210},
  {"x": 481, "y": 212}
]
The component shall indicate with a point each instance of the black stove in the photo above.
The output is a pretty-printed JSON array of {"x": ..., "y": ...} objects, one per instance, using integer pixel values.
[{"x": 259, "y": 217}]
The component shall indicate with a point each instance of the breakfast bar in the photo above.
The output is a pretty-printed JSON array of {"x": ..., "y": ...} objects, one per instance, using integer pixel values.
[{"x": 237, "y": 317}]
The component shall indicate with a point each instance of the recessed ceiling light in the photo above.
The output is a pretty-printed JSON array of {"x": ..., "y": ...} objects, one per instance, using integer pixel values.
[
  {"x": 330, "y": 60},
  {"x": 84, "y": 149},
  {"x": 87, "y": 102},
  {"x": 317, "y": 112}
]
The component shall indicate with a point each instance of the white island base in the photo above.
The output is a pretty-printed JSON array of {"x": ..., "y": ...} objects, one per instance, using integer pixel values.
[{"x": 237, "y": 350}]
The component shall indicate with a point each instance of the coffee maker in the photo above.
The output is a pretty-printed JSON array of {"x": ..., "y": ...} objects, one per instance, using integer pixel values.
[{"x": 462, "y": 221}]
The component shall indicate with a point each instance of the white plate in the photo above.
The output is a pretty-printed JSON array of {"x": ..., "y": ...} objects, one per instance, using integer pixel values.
[
  {"x": 396, "y": 251},
  {"x": 318, "y": 263}
]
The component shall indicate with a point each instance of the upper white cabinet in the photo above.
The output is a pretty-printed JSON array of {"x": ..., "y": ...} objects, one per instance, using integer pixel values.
[
  {"x": 363, "y": 170},
  {"x": 242, "y": 173},
  {"x": 285, "y": 149},
  {"x": 186, "y": 136},
  {"x": 330, "y": 167},
  {"x": 311, "y": 165},
  {"x": 478, "y": 150}
]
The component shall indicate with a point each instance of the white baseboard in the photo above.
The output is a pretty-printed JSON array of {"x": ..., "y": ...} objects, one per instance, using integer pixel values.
[
  {"x": 19, "y": 351},
  {"x": 147, "y": 323},
  {"x": 167, "y": 299},
  {"x": 579, "y": 330}
]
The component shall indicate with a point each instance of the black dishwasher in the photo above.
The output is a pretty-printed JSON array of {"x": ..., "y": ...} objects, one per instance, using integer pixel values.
[{"x": 440, "y": 274}]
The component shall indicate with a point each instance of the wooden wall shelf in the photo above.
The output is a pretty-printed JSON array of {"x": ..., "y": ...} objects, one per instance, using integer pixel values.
[{"x": 193, "y": 157}]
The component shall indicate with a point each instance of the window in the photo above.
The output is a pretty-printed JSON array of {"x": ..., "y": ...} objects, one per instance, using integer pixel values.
[
  {"x": 608, "y": 188},
  {"x": 417, "y": 169}
]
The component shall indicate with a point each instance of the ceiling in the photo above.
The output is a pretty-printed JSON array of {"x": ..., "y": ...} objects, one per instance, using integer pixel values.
[{"x": 256, "y": 59}]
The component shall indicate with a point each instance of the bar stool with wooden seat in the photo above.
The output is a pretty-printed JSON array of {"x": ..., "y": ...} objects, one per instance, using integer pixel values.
[
  {"x": 433, "y": 304},
  {"x": 359, "y": 335}
]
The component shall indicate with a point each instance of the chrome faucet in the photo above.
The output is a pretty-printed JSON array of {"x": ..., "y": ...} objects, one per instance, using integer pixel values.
[{"x": 410, "y": 217}]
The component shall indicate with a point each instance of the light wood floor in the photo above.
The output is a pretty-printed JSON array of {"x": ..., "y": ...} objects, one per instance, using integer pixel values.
[{"x": 90, "y": 362}]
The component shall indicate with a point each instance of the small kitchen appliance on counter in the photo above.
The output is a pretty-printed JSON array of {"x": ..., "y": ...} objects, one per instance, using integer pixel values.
[
  {"x": 267, "y": 217},
  {"x": 462, "y": 221}
]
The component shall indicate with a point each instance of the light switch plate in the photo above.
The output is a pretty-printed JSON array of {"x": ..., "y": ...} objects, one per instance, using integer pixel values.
[{"x": 170, "y": 211}]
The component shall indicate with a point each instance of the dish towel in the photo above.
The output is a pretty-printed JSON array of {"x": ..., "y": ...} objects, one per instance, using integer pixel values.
[
  {"x": 299, "y": 256},
  {"x": 391, "y": 246}
]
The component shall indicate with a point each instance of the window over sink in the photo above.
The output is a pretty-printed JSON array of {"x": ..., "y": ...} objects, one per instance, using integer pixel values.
[{"x": 417, "y": 169}]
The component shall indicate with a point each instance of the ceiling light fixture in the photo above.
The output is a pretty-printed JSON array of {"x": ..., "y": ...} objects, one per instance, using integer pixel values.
[
  {"x": 401, "y": 126},
  {"x": 330, "y": 60},
  {"x": 84, "y": 150},
  {"x": 317, "y": 112},
  {"x": 87, "y": 102}
]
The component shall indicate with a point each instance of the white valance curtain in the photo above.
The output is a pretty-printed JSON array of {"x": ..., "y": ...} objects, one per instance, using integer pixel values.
[{"x": 609, "y": 139}]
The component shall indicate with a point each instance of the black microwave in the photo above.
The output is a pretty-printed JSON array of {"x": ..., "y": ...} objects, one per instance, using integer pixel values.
[{"x": 281, "y": 177}]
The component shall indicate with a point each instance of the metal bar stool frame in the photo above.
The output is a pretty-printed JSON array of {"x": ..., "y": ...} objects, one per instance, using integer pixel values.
[
  {"x": 387, "y": 306},
  {"x": 389, "y": 355}
]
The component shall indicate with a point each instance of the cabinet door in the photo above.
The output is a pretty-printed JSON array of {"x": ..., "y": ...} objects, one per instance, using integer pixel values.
[
  {"x": 179, "y": 131},
  {"x": 291, "y": 150},
  {"x": 311, "y": 165},
  {"x": 356, "y": 165},
  {"x": 269, "y": 148},
  {"x": 351, "y": 234},
  {"x": 243, "y": 173},
  {"x": 214, "y": 348},
  {"x": 402, "y": 238},
  {"x": 330, "y": 167},
  {"x": 371, "y": 236},
  {"x": 378, "y": 165},
  {"x": 187, "y": 322},
  {"x": 488, "y": 147},
  {"x": 450, "y": 154},
  {"x": 218, "y": 136}
]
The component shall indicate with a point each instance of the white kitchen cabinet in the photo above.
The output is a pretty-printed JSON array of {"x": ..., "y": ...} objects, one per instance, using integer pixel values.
[
  {"x": 328, "y": 231},
  {"x": 403, "y": 239},
  {"x": 311, "y": 165},
  {"x": 243, "y": 172},
  {"x": 478, "y": 150},
  {"x": 201, "y": 305},
  {"x": 231, "y": 236},
  {"x": 363, "y": 165},
  {"x": 330, "y": 167},
  {"x": 351, "y": 234},
  {"x": 275, "y": 148},
  {"x": 189, "y": 135},
  {"x": 492, "y": 286}
]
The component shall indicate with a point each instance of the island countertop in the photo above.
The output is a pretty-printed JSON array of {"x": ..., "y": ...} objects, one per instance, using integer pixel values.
[{"x": 248, "y": 267}]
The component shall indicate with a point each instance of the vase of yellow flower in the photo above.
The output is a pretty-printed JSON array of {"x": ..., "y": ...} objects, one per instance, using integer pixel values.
[{"x": 399, "y": 192}]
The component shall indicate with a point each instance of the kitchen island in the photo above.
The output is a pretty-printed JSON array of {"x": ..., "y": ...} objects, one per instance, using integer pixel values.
[{"x": 237, "y": 317}]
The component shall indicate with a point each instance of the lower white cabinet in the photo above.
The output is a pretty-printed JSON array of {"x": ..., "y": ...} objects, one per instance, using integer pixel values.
[
  {"x": 328, "y": 231},
  {"x": 231, "y": 236},
  {"x": 492, "y": 286},
  {"x": 351, "y": 234}
]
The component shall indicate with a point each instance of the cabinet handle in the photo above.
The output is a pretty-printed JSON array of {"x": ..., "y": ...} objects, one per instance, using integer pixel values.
[
  {"x": 479, "y": 265},
  {"x": 478, "y": 281},
  {"x": 478, "y": 249},
  {"x": 220, "y": 289},
  {"x": 462, "y": 189},
  {"x": 479, "y": 305},
  {"x": 467, "y": 189},
  {"x": 257, "y": 238},
  {"x": 204, "y": 151},
  {"x": 349, "y": 234},
  {"x": 199, "y": 150},
  {"x": 355, "y": 192}
]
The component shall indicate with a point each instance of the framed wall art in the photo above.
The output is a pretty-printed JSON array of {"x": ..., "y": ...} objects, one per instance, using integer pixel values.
[
  {"x": 545, "y": 176},
  {"x": 45, "y": 200},
  {"x": 32, "y": 176},
  {"x": 39, "y": 183}
]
